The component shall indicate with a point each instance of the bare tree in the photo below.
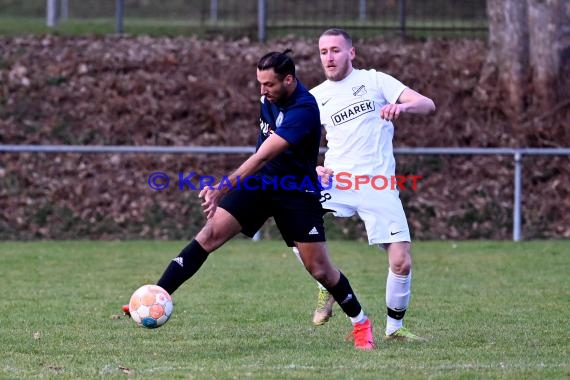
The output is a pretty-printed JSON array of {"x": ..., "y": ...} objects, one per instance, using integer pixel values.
[{"x": 529, "y": 53}]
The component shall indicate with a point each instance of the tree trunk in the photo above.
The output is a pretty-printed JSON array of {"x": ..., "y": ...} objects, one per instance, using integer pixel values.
[
  {"x": 508, "y": 44},
  {"x": 544, "y": 50},
  {"x": 529, "y": 53},
  {"x": 564, "y": 50}
]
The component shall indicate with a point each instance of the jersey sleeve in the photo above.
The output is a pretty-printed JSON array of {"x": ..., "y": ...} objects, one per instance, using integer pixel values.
[{"x": 391, "y": 87}]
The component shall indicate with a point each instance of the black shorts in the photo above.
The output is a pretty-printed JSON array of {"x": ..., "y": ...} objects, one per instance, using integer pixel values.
[{"x": 298, "y": 215}]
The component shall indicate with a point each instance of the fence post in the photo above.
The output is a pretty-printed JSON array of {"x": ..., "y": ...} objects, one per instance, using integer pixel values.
[
  {"x": 261, "y": 20},
  {"x": 362, "y": 10},
  {"x": 402, "y": 12},
  {"x": 119, "y": 16},
  {"x": 517, "y": 197},
  {"x": 51, "y": 13},
  {"x": 213, "y": 11},
  {"x": 64, "y": 9}
]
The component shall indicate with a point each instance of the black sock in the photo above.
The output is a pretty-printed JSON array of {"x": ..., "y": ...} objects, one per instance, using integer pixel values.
[
  {"x": 345, "y": 297},
  {"x": 396, "y": 314},
  {"x": 183, "y": 266}
]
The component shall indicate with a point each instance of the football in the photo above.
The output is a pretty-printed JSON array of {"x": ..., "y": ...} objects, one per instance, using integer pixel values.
[{"x": 150, "y": 306}]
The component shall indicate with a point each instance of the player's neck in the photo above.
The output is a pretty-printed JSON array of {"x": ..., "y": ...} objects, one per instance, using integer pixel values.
[
  {"x": 348, "y": 72},
  {"x": 290, "y": 90}
]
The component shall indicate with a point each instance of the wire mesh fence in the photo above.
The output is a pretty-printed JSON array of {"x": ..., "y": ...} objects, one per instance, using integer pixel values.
[{"x": 266, "y": 18}]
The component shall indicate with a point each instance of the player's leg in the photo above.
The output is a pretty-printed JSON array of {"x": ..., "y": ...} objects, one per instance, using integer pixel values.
[
  {"x": 386, "y": 225},
  {"x": 398, "y": 285},
  {"x": 222, "y": 227},
  {"x": 299, "y": 218},
  {"x": 317, "y": 262},
  {"x": 325, "y": 300},
  {"x": 398, "y": 291},
  {"x": 343, "y": 204}
]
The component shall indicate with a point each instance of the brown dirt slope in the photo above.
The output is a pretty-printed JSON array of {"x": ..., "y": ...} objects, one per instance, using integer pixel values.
[{"x": 184, "y": 91}]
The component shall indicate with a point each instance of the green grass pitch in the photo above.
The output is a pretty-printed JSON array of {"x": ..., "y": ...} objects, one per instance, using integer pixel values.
[{"x": 489, "y": 310}]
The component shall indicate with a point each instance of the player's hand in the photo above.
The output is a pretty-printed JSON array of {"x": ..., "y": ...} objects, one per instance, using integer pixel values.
[
  {"x": 325, "y": 175},
  {"x": 390, "y": 111},
  {"x": 211, "y": 198}
]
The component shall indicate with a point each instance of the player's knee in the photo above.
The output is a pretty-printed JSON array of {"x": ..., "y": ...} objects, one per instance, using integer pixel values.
[
  {"x": 400, "y": 258},
  {"x": 319, "y": 273},
  {"x": 209, "y": 238},
  {"x": 402, "y": 268},
  {"x": 401, "y": 264}
]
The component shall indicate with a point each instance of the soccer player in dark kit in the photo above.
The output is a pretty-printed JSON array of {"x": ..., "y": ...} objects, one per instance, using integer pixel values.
[{"x": 287, "y": 148}]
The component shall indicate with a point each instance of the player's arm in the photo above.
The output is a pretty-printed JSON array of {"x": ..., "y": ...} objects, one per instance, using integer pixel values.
[
  {"x": 409, "y": 101},
  {"x": 271, "y": 148},
  {"x": 414, "y": 102}
]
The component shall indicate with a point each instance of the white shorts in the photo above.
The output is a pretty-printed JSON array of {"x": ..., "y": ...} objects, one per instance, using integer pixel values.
[{"x": 380, "y": 210}]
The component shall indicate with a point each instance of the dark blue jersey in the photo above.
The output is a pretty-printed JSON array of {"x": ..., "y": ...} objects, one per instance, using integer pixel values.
[{"x": 298, "y": 122}]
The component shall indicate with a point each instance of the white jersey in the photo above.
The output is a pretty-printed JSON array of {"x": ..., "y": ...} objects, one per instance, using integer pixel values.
[{"x": 359, "y": 140}]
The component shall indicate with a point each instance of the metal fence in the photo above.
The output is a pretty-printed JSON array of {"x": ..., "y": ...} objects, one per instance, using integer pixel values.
[
  {"x": 517, "y": 155},
  {"x": 265, "y": 19}
]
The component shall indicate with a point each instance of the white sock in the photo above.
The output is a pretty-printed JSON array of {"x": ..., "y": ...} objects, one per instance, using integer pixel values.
[
  {"x": 398, "y": 289},
  {"x": 296, "y": 252},
  {"x": 359, "y": 318}
]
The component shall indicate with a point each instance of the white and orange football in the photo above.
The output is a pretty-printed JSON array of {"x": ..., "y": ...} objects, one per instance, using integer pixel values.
[{"x": 150, "y": 306}]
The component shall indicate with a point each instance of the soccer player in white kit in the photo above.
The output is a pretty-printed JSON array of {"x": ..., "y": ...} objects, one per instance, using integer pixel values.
[{"x": 357, "y": 108}]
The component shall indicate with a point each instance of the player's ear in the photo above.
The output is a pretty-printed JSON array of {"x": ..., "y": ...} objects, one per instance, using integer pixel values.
[
  {"x": 352, "y": 53},
  {"x": 288, "y": 79}
]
